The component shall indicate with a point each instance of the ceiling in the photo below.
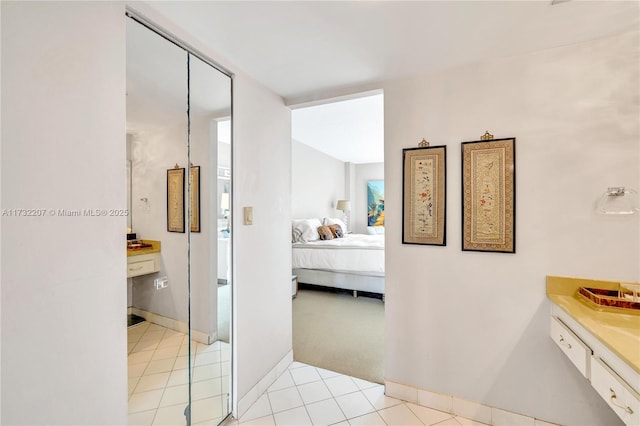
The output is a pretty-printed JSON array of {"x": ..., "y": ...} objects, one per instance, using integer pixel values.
[
  {"x": 157, "y": 90},
  {"x": 304, "y": 49},
  {"x": 350, "y": 130}
]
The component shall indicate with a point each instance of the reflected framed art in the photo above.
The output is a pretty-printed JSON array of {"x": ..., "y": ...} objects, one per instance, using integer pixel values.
[
  {"x": 175, "y": 200},
  {"x": 194, "y": 198}
]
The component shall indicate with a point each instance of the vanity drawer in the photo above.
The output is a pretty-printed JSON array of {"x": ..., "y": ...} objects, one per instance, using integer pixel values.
[
  {"x": 572, "y": 346},
  {"x": 620, "y": 397},
  {"x": 140, "y": 268}
]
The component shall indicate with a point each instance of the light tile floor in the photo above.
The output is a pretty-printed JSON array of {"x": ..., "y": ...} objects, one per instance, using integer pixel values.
[
  {"x": 307, "y": 395},
  {"x": 302, "y": 395},
  {"x": 159, "y": 377}
]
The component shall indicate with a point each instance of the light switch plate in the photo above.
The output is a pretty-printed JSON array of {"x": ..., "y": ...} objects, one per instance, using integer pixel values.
[{"x": 248, "y": 215}]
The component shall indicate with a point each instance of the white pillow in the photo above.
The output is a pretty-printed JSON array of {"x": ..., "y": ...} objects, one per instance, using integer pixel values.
[
  {"x": 375, "y": 230},
  {"x": 335, "y": 221},
  {"x": 303, "y": 230}
]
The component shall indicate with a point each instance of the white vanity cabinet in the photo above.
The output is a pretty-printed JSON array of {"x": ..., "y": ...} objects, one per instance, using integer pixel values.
[
  {"x": 572, "y": 346},
  {"x": 143, "y": 264},
  {"x": 618, "y": 394},
  {"x": 145, "y": 260},
  {"x": 614, "y": 380}
]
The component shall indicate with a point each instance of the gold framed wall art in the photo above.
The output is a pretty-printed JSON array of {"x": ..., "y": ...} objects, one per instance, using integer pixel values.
[
  {"x": 175, "y": 200},
  {"x": 489, "y": 195},
  {"x": 424, "y": 195},
  {"x": 194, "y": 198}
]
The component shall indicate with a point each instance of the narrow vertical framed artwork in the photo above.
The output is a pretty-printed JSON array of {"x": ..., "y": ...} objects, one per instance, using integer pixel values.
[
  {"x": 424, "y": 195},
  {"x": 175, "y": 200},
  {"x": 489, "y": 195},
  {"x": 194, "y": 198},
  {"x": 375, "y": 203}
]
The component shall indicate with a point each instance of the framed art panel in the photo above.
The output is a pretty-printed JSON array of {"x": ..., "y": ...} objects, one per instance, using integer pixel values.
[
  {"x": 424, "y": 197},
  {"x": 489, "y": 195},
  {"x": 194, "y": 198},
  {"x": 175, "y": 200},
  {"x": 375, "y": 203}
]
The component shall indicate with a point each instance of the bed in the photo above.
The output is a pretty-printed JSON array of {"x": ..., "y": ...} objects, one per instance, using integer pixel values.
[{"x": 353, "y": 262}]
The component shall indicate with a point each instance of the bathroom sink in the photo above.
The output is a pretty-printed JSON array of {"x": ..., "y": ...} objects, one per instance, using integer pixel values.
[{"x": 601, "y": 299}]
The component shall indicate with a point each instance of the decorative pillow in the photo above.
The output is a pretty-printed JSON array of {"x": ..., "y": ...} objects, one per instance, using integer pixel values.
[
  {"x": 335, "y": 221},
  {"x": 325, "y": 232},
  {"x": 375, "y": 230},
  {"x": 303, "y": 230},
  {"x": 336, "y": 230}
]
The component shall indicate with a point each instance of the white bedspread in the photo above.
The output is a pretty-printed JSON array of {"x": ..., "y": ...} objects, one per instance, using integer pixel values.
[{"x": 355, "y": 253}]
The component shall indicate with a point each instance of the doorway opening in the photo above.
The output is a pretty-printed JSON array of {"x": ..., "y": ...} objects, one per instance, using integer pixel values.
[{"x": 338, "y": 235}]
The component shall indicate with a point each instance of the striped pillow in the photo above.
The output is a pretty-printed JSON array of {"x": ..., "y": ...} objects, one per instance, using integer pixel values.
[{"x": 304, "y": 230}]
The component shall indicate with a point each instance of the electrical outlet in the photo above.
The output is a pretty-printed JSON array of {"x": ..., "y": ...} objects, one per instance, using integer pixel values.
[{"x": 160, "y": 283}]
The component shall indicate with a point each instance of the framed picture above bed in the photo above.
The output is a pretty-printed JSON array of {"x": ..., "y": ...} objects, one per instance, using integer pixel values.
[
  {"x": 375, "y": 203},
  {"x": 424, "y": 195}
]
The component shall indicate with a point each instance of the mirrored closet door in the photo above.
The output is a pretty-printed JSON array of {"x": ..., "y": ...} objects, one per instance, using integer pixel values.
[{"x": 179, "y": 237}]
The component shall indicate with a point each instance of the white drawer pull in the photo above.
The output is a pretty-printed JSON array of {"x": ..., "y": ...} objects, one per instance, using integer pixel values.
[
  {"x": 568, "y": 345},
  {"x": 614, "y": 402}
]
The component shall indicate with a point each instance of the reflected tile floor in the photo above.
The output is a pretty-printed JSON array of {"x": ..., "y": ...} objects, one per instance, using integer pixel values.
[
  {"x": 307, "y": 395},
  {"x": 158, "y": 369}
]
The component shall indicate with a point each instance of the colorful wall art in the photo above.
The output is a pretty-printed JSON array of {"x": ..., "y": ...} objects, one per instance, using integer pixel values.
[{"x": 375, "y": 203}]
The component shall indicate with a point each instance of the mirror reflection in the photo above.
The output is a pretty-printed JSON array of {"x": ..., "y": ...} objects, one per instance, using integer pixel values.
[
  {"x": 178, "y": 236},
  {"x": 209, "y": 102}
]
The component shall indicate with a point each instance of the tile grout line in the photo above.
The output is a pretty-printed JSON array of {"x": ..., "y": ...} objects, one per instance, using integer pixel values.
[
  {"x": 164, "y": 388},
  {"x": 333, "y": 396},
  {"x": 303, "y": 403},
  {"x": 376, "y": 410}
]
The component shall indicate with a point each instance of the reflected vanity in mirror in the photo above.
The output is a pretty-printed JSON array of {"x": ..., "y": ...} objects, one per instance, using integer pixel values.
[{"x": 179, "y": 113}]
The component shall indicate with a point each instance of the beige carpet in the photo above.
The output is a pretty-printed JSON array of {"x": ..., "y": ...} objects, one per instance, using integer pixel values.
[{"x": 339, "y": 332}]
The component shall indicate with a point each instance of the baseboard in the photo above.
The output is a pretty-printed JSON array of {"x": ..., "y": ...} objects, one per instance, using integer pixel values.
[
  {"x": 460, "y": 407},
  {"x": 174, "y": 324},
  {"x": 261, "y": 387}
]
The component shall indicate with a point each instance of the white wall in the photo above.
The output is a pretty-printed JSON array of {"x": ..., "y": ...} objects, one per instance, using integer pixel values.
[
  {"x": 63, "y": 278},
  {"x": 203, "y": 249},
  {"x": 262, "y": 173},
  {"x": 475, "y": 325},
  {"x": 67, "y": 82},
  {"x": 153, "y": 152},
  {"x": 318, "y": 182},
  {"x": 363, "y": 174}
]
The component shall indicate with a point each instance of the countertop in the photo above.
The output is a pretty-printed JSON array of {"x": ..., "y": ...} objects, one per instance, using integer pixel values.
[
  {"x": 618, "y": 331},
  {"x": 155, "y": 248}
]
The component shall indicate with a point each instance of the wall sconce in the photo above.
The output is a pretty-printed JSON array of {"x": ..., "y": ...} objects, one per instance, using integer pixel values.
[
  {"x": 618, "y": 200},
  {"x": 344, "y": 206}
]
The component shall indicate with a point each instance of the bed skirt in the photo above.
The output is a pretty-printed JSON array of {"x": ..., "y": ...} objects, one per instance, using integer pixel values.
[{"x": 355, "y": 282}]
